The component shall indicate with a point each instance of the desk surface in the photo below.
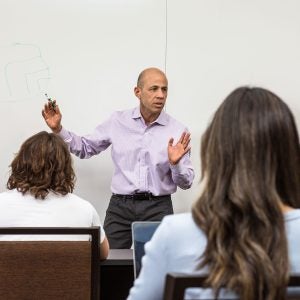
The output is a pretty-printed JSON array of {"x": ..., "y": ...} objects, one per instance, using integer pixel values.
[{"x": 119, "y": 257}]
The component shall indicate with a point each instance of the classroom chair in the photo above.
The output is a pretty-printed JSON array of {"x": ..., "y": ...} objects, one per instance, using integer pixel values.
[
  {"x": 177, "y": 283},
  {"x": 142, "y": 232},
  {"x": 48, "y": 270}
]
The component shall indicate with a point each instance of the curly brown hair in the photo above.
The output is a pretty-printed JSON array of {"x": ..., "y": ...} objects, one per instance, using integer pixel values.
[{"x": 43, "y": 164}]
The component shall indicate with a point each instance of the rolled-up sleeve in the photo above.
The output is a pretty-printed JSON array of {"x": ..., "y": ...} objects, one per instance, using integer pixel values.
[
  {"x": 88, "y": 145},
  {"x": 183, "y": 172}
]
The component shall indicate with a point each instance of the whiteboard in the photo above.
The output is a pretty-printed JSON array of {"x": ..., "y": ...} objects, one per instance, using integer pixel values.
[{"x": 88, "y": 53}]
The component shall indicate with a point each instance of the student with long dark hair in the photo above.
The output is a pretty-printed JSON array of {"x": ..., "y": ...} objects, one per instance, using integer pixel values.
[{"x": 244, "y": 228}]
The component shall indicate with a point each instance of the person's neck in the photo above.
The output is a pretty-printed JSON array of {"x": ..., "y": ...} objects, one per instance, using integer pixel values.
[
  {"x": 149, "y": 118},
  {"x": 285, "y": 208}
]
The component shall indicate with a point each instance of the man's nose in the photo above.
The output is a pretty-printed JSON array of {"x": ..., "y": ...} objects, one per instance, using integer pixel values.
[{"x": 160, "y": 93}]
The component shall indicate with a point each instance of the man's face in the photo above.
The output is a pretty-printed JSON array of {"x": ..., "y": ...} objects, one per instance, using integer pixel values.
[{"x": 152, "y": 93}]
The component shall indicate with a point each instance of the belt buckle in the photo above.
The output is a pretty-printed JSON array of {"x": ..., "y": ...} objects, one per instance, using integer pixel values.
[{"x": 142, "y": 196}]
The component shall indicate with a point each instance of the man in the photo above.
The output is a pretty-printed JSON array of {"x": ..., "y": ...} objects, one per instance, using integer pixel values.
[{"x": 148, "y": 165}]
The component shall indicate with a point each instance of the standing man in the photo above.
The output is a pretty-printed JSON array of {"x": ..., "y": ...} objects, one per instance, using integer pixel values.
[{"x": 148, "y": 164}]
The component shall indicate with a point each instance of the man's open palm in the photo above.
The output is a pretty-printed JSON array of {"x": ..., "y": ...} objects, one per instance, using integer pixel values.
[{"x": 176, "y": 152}]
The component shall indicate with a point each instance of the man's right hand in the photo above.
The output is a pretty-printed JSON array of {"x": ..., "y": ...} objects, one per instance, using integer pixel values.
[{"x": 52, "y": 117}]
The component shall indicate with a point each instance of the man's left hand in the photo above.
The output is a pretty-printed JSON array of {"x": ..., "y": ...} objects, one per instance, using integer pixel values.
[{"x": 177, "y": 151}]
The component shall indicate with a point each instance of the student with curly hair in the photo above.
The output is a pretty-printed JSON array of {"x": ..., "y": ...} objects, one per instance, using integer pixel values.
[{"x": 40, "y": 190}]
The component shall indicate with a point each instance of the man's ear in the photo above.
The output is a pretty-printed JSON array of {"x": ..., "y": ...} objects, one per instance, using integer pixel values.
[{"x": 137, "y": 92}]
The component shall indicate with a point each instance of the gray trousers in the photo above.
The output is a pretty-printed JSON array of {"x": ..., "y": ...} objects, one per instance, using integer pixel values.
[{"x": 123, "y": 210}]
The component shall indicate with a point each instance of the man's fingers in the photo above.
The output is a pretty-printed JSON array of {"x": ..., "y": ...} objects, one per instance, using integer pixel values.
[
  {"x": 46, "y": 109},
  {"x": 171, "y": 140},
  {"x": 43, "y": 114},
  {"x": 187, "y": 141},
  {"x": 187, "y": 150},
  {"x": 186, "y": 138},
  {"x": 181, "y": 138},
  {"x": 50, "y": 109},
  {"x": 57, "y": 109}
]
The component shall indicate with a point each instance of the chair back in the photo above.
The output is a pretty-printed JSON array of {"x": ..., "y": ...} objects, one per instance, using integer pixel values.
[
  {"x": 142, "y": 232},
  {"x": 177, "y": 283},
  {"x": 50, "y": 269}
]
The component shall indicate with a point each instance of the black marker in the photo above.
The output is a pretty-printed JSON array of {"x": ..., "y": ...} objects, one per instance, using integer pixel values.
[{"x": 53, "y": 105}]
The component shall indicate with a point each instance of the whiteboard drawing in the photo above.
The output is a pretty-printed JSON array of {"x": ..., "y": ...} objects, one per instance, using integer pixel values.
[{"x": 24, "y": 72}]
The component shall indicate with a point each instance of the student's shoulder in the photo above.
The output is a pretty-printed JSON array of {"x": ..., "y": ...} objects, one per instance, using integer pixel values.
[
  {"x": 292, "y": 216},
  {"x": 181, "y": 227},
  {"x": 181, "y": 221},
  {"x": 292, "y": 224},
  {"x": 4, "y": 194},
  {"x": 75, "y": 199},
  {"x": 10, "y": 194}
]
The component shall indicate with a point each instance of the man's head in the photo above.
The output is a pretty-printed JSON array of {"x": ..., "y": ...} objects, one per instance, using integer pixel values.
[
  {"x": 42, "y": 164},
  {"x": 152, "y": 91}
]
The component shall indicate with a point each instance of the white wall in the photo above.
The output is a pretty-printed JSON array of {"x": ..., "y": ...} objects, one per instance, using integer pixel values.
[{"x": 88, "y": 53}]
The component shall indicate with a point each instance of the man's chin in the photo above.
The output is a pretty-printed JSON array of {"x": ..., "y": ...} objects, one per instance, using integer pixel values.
[{"x": 158, "y": 108}]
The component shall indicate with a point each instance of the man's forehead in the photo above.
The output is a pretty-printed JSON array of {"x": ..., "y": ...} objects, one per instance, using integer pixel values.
[
  {"x": 155, "y": 79},
  {"x": 157, "y": 85}
]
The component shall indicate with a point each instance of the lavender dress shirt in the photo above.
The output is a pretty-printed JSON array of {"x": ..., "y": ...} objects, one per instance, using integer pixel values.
[{"x": 139, "y": 152}]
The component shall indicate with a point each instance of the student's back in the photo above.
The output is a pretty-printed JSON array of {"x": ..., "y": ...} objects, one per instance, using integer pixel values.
[
  {"x": 40, "y": 189},
  {"x": 18, "y": 210},
  {"x": 180, "y": 253}
]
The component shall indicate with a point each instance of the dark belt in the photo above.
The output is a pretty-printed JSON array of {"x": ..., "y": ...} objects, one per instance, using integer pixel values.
[{"x": 141, "y": 196}]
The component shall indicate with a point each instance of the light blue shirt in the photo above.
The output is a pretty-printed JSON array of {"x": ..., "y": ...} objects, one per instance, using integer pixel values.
[
  {"x": 139, "y": 152},
  {"x": 177, "y": 245}
]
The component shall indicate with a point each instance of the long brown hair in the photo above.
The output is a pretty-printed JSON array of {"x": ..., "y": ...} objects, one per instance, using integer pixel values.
[
  {"x": 250, "y": 159},
  {"x": 43, "y": 164}
]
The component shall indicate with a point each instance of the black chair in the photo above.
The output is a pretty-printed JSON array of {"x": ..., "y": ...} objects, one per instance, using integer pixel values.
[
  {"x": 177, "y": 283},
  {"x": 47, "y": 270}
]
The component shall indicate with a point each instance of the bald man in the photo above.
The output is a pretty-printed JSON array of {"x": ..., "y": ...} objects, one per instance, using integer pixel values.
[{"x": 149, "y": 165}]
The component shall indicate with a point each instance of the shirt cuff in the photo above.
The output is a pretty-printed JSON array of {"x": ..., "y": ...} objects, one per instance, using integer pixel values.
[
  {"x": 177, "y": 169},
  {"x": 65, "y": 135}
]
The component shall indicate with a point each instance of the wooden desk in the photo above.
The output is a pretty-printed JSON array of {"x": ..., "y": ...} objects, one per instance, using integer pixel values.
[{"x": 116, "y": 275}]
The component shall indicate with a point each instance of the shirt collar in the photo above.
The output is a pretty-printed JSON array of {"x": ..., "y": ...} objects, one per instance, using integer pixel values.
[{"x": 162, "y": 118}]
